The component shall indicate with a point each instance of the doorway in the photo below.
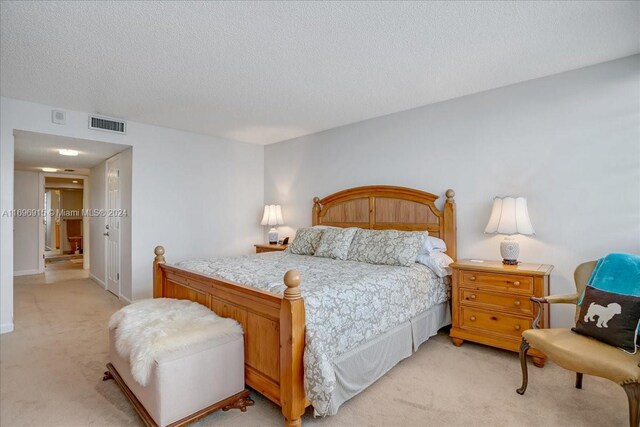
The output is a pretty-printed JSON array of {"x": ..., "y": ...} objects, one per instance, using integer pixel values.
[
  {"x": 77, "y": 210},
  {"x": 63, "y": 229}
]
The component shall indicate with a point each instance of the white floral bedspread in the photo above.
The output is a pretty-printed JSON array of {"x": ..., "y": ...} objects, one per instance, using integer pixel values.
[{"x": 346, "y": 303}]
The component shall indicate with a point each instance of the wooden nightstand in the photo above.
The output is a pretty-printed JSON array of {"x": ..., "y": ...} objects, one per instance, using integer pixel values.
[
  {"x": 266, "y": 247},
  {"x": 490, "y": 303}
]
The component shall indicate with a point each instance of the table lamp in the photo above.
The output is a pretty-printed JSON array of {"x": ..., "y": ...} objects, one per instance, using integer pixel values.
[
  {"x": 509, "y": 216},
  {"x": 272, "y": 216}
]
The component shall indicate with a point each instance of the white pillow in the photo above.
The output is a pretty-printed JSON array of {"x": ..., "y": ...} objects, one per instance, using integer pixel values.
[
  {"x": 432, "y": 244},
  {"x": 436, "y": 261}
]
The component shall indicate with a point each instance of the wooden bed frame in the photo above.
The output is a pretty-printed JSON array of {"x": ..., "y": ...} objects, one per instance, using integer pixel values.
[{"x": 274, "y": 325}]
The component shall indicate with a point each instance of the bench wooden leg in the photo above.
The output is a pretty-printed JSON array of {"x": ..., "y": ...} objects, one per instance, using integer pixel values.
[
  {"x": 107, "y": 376},
  {"x": 524, "y": 348},
  {"x": 241, "y": 403}
]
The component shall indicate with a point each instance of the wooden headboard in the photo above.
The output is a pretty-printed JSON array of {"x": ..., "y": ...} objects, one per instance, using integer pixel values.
[{"x": 383, "y": 207}]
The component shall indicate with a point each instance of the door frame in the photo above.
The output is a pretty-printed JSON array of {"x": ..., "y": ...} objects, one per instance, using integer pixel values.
[
  {"x": 112, "y": 159},
  {"x": 85, "y": 219}
]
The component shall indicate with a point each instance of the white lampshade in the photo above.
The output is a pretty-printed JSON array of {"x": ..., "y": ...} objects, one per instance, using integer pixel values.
[
  {"x": 272, "y": 215},
  {"x": 509, "y": 216}
]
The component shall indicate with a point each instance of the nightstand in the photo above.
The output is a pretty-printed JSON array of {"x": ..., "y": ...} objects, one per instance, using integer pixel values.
[
  {"x": 491, "y": 305},
  {"x": 266, "y": 247}
]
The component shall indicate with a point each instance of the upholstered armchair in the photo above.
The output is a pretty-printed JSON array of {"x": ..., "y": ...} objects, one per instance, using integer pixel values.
[{"x": 582, "y": 354}]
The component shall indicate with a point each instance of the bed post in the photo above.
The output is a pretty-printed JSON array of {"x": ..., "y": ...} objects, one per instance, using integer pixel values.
[
  {"x": 292, "y": 396},
  {"x": 315, "y": 217},
  {"x": 157, "y": 272},
  {"x": 450, "y": 224}
]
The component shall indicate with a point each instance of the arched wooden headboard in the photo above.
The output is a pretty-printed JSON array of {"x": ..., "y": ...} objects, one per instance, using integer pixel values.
[{"x": 383, "y": 207}]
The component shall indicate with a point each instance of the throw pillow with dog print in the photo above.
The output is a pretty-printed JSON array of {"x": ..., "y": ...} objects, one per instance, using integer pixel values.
[{"x": 610, "y": 318}]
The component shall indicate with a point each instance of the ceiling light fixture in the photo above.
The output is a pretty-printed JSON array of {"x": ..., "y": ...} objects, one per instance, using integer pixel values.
[
  {"x": 49, "y": 170},
  {"x": 66, "y": 152}
]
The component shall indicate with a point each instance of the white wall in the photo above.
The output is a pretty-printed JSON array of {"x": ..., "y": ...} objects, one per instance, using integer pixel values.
[
  {"x": 25, "y": 248},
  {"x": 194, "y": 194},
  {"x": 570, "y": 143}
]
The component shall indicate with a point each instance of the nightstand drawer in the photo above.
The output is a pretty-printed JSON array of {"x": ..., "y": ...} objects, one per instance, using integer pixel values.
[
  {"x": 492, "y": 322},
  {"x": 513, "y": 303},
  {"x": 503, "y": 282}
]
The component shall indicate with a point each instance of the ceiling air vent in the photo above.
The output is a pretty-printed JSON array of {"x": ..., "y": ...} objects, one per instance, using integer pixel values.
[{"x": 107, "y": 124}]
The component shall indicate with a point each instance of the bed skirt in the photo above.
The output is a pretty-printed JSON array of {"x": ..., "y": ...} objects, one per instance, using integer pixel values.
[{"x": 362, "y": 366}]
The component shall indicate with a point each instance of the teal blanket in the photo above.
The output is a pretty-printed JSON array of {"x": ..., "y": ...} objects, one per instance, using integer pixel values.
[{"x": 618, "y": 273}]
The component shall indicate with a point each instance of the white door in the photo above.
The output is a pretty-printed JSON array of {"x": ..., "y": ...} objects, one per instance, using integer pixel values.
[{"x": 112, "y": 226}]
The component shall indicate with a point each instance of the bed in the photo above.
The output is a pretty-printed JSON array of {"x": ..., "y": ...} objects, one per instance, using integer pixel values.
[{"x": 274, "y": 316}]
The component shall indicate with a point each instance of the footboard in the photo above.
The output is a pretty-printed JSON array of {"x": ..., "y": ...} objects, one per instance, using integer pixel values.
[{"x": 274, "y": 328}]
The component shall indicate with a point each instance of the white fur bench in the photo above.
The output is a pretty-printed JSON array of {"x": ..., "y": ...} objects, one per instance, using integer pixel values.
[{"x": 176, "y": 361}]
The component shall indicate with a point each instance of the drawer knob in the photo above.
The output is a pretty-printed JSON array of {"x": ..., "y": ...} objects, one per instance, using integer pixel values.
[
  {"x": 517, "y": 303},
  {"x": 517, "y": 327},
  {"x": 472, "y": 278},
  {"x": 516, "y": 283},
  {"x": 472, "y": 318},
  {"x": 472, "y": 296}
]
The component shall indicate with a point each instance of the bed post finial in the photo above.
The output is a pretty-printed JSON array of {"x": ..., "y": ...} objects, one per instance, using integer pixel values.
[
  {"x": 292, "y": 280},
  {"x": 316, "y": 211},
  {"x": 157, "y": 271},
  {"x": 448, "y": 232},
  {"x": 159, "y": 251},
  {"x": 450, "y": 195}
]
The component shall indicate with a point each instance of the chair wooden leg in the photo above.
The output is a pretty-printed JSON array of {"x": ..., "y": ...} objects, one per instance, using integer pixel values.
[
  {"x": 633, "y": 393},
  {"x": 524, "y": 348},
  {"x": 579, "y": 380}
]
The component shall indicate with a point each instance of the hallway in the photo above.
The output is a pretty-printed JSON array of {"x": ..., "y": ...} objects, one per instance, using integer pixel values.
[{"x": 49, "y": 364}]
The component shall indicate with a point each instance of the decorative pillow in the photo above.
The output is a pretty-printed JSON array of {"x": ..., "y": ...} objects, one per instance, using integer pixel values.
[
  {"x": 306, "y": 241},
  {"x": 618, "y": 273},
  {"x": 387, "y": 247},
  {"x": 335, "y": 242},
  {"x": 436, "y": 261},
  {"x": 610, "y": 318}
]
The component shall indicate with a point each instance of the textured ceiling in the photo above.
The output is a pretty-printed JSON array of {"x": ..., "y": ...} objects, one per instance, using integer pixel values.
[
  {"x": 33, "y": 151},
  {"x": 266, "y": 72}
]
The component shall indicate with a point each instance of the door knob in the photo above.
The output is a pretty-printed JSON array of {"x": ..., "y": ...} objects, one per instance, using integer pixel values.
[{"x": 105, "y": 234}]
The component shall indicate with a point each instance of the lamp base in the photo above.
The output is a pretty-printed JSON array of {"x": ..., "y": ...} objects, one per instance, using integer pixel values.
[
  {"x": 273, "y": 236},
  {"x": 509, "y": 249}
]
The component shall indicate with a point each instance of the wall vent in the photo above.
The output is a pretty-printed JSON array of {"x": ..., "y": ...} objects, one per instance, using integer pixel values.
[{"x": 107, "y": 124}]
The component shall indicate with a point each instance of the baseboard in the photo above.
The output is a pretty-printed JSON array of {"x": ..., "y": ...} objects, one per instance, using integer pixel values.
[
  {"x": 26, "y": 272},
  {"x": 98, "y": 281},
  {"x": 125, "y": 299},
  {"x": 6, "y": 327}
]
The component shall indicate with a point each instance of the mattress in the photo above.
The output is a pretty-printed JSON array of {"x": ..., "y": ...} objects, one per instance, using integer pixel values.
[{"x": 347, "y": 304}]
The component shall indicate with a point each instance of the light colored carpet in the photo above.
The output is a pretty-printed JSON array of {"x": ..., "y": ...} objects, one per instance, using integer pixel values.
[{"x": 52, "y": 365}]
